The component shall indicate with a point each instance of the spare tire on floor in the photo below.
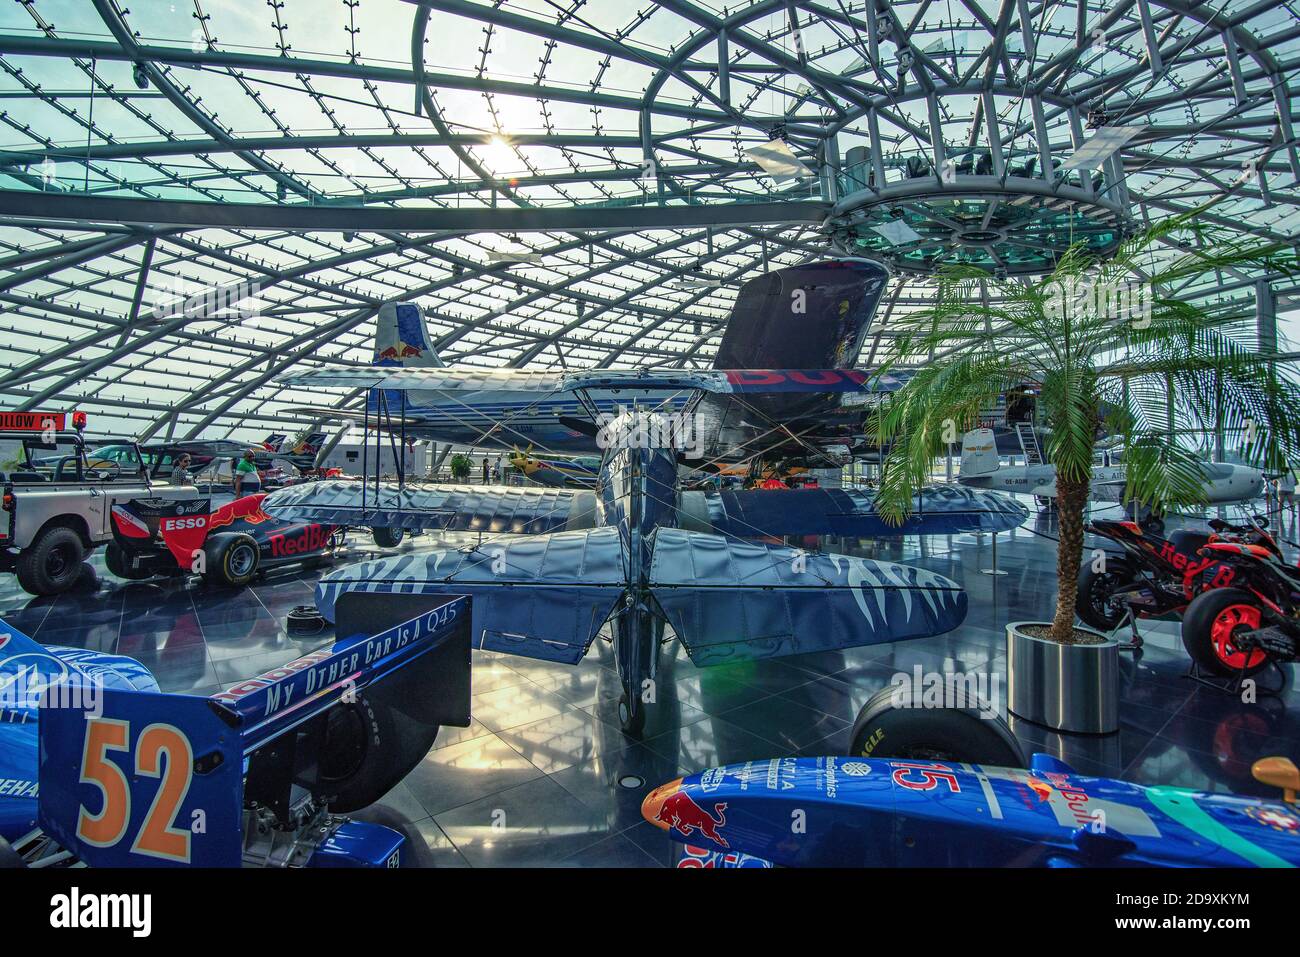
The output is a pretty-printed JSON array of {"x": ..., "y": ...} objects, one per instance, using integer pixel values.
[{"x": 968, "y": 735}]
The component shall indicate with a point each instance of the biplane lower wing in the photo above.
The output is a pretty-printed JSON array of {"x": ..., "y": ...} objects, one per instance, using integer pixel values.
[
  {"x": 729, "y": 600},
  {"x": 541, "y": 597}
]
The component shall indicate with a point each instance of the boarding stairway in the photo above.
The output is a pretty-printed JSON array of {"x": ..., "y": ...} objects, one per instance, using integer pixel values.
[{"x": 1029, "y": 443}]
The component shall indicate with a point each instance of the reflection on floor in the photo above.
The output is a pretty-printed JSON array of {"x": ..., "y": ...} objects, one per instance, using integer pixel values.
[{"x": 544, "y": 777}]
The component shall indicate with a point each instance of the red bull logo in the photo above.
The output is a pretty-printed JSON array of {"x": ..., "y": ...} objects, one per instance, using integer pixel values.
[
  {"x": 248, "y": 508},
  {"x": 1041, "y": 788},
  {"x": 670, "y": 808},
  {"x": 311, "y": 538}
]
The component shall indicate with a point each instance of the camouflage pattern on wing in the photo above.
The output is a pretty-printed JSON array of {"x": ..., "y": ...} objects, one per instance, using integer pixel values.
[
  {"x": 729, "y": 600},
  {"x": 543, "y": 597},
  {"x": 449, "y": 508}
]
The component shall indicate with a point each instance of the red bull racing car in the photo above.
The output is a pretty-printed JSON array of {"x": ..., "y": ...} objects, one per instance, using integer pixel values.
[{"x": 228, "y": 547}]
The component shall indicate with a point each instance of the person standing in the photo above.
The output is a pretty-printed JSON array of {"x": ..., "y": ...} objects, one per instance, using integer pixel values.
[
  {"x": 1286, "y": 494},
  {"x": 485, "y": 470},
  {"x": 246, "y": 479},
  {"x": 181, "y": 472}
]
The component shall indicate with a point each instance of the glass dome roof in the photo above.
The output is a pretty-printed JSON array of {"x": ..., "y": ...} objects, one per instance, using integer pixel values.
[{"x": 575, "y": 183}]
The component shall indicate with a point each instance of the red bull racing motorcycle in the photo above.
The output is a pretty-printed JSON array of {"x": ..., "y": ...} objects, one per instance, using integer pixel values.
[
  {"x": 98, "y": 767},
  {"x": 1237, "y": 632},
  {"x": 228, "y": 547},
  {"x": 914, "y": 799},
  {"x": 1154, "y": 576}
]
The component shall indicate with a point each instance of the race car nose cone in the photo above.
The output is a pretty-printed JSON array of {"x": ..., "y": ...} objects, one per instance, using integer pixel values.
[{"x": 653, "y": 805}]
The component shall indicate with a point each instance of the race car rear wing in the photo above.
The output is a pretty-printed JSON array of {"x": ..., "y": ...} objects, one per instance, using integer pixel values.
[{"x": 143, "y": 779}]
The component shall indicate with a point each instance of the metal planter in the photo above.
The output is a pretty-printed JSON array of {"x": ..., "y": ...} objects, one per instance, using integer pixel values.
[{"x": 1071, "y": 688}]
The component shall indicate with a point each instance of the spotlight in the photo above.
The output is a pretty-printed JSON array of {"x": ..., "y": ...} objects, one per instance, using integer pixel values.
[
  {"x": 349, "y": 237},
  {"x": 280, "y": 192},
  {"x": 141, "y": 78}
]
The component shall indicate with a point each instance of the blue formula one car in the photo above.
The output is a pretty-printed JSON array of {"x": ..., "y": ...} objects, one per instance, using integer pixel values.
[
  {"x": 919, "y": 811},
  {"x": 98, "y": 767}
]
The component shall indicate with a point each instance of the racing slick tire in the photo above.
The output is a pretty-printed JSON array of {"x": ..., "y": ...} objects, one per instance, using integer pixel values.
[
  {"x": 1209, "y": 623},
  {"x": 119, "y": 564},
  {"x": 368, "y": 748},
  {"x": 52, "y": 563},
  {"x": 388, "y": 537},
  {"x": 231, "y": 559},
  {"x": 1093, "y": 604},
  {"x": 964, "y": 735}
]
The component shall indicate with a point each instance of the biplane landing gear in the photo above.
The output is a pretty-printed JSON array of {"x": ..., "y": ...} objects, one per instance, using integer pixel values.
[
  {"x": 631, "y": 715},
  {"x": 637, "y": 635}
]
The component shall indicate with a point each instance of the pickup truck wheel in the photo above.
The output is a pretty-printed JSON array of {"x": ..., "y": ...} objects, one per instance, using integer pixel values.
[
  {"x": 52, "y": 563},
  {"x": 231, "y": 560},
  {"x": 119, "y": 564}
]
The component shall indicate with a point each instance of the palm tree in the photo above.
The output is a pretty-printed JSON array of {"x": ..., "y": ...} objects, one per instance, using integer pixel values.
[{"x": 1113, "y": 349}]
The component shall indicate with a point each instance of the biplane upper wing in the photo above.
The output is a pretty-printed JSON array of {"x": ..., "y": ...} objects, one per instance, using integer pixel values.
[
  {"x": 474, "y": 379},
  {"x": 449, "y": 508}
]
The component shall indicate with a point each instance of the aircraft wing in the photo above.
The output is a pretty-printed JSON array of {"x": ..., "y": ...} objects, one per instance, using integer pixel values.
[
  {"x": 447, "y": 508},
  {"x": 543, "y": 597},
  {"x": 358, "y": 417},
  {"x": 733, "y": 601},
  {"x": 937, "y": 510},
  {"x": 474, "y": 379}
]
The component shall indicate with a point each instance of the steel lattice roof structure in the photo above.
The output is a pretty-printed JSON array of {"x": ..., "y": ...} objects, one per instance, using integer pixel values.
[{"x": 196, "y": 195}]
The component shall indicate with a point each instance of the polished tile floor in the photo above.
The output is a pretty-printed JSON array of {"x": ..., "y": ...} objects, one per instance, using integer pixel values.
[{"x": 543, "y": 776}]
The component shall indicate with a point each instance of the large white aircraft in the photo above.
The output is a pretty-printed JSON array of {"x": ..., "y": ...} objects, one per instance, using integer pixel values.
[{"x": 981, "y": 467}]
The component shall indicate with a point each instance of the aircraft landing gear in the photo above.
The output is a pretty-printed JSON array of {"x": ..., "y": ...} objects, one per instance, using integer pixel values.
[
  {"x": 631, "y": 715},
  {"x": 637, "y": 635}
]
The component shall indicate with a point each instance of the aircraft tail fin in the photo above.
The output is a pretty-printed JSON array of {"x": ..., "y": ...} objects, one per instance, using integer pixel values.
[
  {"x": 979, "y": 453},
  {"x": 402, "y": 338},
  {"x": 813, "y": 316}
]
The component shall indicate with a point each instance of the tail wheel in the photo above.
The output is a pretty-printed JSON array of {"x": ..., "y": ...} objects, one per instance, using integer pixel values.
[{"x": 1212, "y": 622}]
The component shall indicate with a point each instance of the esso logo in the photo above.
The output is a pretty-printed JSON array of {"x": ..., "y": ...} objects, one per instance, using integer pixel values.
[{"x": 175, "y": 524}]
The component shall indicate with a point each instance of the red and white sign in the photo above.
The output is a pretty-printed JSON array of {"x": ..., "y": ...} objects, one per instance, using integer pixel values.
[{"x": 31, "y": 421}]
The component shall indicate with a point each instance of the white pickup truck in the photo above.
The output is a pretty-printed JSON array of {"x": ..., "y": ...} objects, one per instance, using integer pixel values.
[{"x": 57, "y": 508}]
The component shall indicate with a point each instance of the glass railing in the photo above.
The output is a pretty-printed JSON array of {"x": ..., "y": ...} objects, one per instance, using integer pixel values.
[{"x": 961, "y": 161}]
